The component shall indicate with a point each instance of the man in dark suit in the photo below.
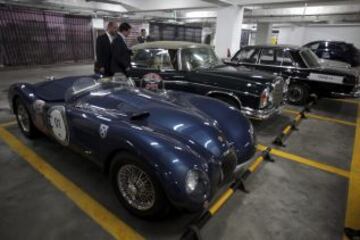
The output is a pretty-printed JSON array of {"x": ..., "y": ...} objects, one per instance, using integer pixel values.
[
  {"x": 143, "y": 38},
  {"x": 121, "y": 54},
  {"x": 103, "y": 50}
]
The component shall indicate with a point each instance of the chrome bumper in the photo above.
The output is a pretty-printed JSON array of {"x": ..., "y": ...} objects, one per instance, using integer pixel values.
[
  {"x": 355, "y": 93},
  {"x": 260, "y": 114}
]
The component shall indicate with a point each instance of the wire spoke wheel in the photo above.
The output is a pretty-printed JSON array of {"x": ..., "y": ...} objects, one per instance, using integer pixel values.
[
  {"x": 136, "y": 187},
  {"x": 23, "y": 118}
]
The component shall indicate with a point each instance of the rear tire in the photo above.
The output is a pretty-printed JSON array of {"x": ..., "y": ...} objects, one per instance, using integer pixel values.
[
  {"x": 23, "y": 119},
  {"x": 137, "y": 188},
  {"x": 298, "y": 94}
]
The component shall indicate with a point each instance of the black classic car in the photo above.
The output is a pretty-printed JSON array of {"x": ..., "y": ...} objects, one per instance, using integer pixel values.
[
  {"x": 302, "y": 68},
  {"x": 336, "y": 50},
  {"x": 195, "y": 68}
]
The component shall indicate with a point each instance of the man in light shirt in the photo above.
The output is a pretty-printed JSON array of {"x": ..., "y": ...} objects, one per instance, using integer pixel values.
[
  {"x": 103, "y": 50},
  {"x": 121, "y": 54}
]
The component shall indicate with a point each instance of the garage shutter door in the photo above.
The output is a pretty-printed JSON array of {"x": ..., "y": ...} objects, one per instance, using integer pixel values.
[{"x": 33, "y": 36}]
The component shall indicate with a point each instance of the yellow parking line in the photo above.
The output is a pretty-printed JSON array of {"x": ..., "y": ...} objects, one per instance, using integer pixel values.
[
  {"x": 352, "y": 219},
  {"x": 8, "y": 124},
  {"x": 354, "y": 101},
  {"x": 328, "y": 119},
  {"x": 108, "y": 221},
  {"x": 308, "y": 162}
]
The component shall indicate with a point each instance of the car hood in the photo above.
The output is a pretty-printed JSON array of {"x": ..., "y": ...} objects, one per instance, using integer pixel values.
[
  {"x": 332, "y": 63},
  {"x": 238, "y": 73},
  {"x": 338, "y": 71},
  {"x": 159, "y": 113}
]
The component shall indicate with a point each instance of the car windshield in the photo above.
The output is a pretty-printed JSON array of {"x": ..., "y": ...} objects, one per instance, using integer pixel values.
[
  {"x": 88, "y": 84},
  {"x": 154, "y": 58},
  {"x": 197, "y": 58},
  {"x": 310, "y": 58}
]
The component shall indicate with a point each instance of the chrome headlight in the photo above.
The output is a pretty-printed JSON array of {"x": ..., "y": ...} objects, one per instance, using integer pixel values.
[
  {"x": 264, "y": 98},
  {"x": 196, "y": 182}
]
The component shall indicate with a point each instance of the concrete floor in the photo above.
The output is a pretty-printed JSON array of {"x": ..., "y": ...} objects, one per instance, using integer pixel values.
[{"x": 288, "y": 200}]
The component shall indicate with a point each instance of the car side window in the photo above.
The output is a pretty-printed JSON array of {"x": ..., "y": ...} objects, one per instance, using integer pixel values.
[
  {"x": 314, "y": 46},
  {"x": 267, "y": 57},
  {"x": 152, "y": 58},
  {"x": 284, "y": 58},
  {"x": 247, "y": 55}
]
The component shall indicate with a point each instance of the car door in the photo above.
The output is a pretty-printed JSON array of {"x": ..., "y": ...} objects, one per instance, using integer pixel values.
[
  {"x": 162, "y": 63},
  {"x": 288, "y": 67},
  {"x": 174, "y": 77},
  {"x": 269, "y": 62},
  {"x": 316, "y": 47},
  {"x": 247, "y": 56},
  {"x": 85, "y": 129},
  {"x": 200, "y": 77}
]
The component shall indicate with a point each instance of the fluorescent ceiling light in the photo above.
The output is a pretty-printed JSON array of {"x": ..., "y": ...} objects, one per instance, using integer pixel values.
[{"x": 200, "y": 14}]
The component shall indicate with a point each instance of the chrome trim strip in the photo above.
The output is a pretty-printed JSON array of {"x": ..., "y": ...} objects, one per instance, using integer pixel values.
[
  {"x": 261, "y": 114},
  {"x": 230, "y": 94},
  {"x": 355, "y": 94},
  {"x": 210, "y": 86}
]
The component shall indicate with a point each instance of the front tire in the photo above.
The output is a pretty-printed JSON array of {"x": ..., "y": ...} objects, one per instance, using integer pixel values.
[
  {"x": 23, "y": 119},
  {"x": 137, "y": 188},
  {"x": 298, "y": 94}
]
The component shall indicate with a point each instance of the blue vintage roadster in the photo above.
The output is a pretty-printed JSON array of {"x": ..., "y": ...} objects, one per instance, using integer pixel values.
[{"x": 160, "y": 149}]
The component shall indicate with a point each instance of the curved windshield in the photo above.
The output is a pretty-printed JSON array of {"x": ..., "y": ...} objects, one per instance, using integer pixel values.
[
  {"x": 154, "y": 58},
  {"x": 197, "y": 58},
  {"x": 310, "y": 58},
  {"x": 88, "y": 84}
]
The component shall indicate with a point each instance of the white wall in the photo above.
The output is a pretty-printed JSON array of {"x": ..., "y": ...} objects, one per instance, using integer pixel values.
[{"x": 299, "y": 35}]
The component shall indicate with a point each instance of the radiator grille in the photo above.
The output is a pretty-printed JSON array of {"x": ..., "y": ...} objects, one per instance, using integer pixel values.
[{"x": 278, "y": 92}]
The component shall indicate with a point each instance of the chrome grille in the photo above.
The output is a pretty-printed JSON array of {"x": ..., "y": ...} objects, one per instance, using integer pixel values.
[{"x": 278, "y": 92}]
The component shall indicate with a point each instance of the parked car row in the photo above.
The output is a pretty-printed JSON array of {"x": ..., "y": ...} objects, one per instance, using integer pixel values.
[
  {"x": 302, "y": 67},
  {"x": 173, "y": 133}
]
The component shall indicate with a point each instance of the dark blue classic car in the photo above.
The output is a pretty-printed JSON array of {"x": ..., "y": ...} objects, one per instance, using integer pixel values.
[
  {"x": 161, "y": 149},
  {"x": 195, "y": 68}
]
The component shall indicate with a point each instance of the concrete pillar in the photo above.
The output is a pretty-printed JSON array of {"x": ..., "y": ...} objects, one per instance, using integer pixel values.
[
  {"x": 228, "y": 30},
  {"x": 263, "y": 33}
]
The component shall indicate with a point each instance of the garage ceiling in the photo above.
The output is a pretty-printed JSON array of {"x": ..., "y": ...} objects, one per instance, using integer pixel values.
[{"x": 276, "y": 11}]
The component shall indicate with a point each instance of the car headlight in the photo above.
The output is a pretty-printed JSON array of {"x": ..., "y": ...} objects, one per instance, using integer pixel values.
[
  {"x": 264, "y": 98},
  {"x": 192, "y": 180},
  {"x": 196, "y": 182}
]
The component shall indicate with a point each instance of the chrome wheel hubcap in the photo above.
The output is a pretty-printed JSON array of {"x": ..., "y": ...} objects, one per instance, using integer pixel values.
[
  {"x": 23, "y": 118},
  {"x": 136, "y": 187},
  {"x": 296, "y": 94}
]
